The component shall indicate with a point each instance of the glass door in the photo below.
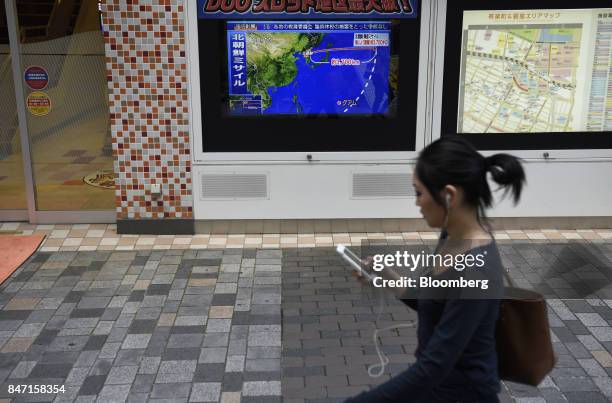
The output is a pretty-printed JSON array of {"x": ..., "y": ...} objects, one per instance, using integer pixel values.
[
  {"x": 64, "y": 116},
  {"x": 13, "y": 203}
]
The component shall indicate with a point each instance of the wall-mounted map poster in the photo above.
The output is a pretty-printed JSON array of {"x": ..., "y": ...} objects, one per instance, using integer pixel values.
[{"x": 536, "y": 71}]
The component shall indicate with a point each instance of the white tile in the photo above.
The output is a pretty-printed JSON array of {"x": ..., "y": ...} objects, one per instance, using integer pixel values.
[
  {"x": 59, "y": 233},
  {"x": 95, "y": 233},
  {"x": 72, "y": 241},
  {"x": 182, "y": 241},
  {"x": 145, "y": 241},
  {"x": 109, "y": 241}
]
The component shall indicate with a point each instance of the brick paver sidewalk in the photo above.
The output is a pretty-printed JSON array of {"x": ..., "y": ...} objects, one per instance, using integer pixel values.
[{"x": 247, "y": 325}]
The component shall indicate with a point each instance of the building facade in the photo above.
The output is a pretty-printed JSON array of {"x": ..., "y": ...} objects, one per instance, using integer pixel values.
[{"x": 152, "y": 81}]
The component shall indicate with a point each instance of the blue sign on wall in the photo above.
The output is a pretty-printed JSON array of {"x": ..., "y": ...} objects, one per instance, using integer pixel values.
[
  {"x": 309, "y": 9},
  {"x": 36, "y": 77}
]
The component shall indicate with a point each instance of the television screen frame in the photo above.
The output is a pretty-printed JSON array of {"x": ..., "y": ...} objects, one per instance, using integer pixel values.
[
  {"x": 275, "y": 136},
  {"x": 581, "y": 140}
]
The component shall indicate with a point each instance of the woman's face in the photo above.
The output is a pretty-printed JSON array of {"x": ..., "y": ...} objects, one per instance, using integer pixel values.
[{"x": 431, "y": 211}]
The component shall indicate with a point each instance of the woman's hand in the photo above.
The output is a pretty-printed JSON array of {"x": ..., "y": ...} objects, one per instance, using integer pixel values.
[
  {"x": 367, "y": 262},
  {"x": 360, "y": 277}
]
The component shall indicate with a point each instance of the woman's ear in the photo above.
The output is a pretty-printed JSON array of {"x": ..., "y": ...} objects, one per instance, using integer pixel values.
[{"x": 450, "y": 196}]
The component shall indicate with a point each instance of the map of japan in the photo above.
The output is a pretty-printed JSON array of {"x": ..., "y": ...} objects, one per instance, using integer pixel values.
[{"x": 519, "y": 78}]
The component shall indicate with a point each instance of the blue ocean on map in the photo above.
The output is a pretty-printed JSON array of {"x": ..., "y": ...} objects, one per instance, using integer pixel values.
[
  {"x": 547, "y": 36},
  {"x": 323, "y": 88}
]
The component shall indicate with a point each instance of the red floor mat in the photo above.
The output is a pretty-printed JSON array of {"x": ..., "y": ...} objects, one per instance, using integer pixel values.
[{"x": 14, "y": 250}]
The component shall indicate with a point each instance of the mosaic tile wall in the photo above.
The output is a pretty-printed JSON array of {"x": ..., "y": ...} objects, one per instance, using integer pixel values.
[{"x": 147, "y": 81}]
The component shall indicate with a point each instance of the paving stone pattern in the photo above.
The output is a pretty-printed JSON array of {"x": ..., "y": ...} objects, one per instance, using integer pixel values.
[
  {"x": 213, "y": 325},
  {"x": 328, "y": 324},
  {"x": 201, "y": 326}
]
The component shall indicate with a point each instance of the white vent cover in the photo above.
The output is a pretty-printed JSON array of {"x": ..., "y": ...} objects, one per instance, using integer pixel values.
[
  {"x": 382, "y": 185},
  {"x": 230, "y": 186}
]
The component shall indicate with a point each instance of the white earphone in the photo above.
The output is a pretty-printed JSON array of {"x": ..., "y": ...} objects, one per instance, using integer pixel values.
[{"x": 448, "y": 200}]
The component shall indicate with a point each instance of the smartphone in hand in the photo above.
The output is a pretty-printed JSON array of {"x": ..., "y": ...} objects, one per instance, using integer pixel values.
[{"x": 351, "y": 258}]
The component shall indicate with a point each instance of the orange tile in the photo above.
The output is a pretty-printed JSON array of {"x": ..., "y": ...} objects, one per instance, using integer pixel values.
[
  {"x": 91, "y": 241},
  {"x": 22, "y": 303},
  {"x": 235, "y": 241},
  {"x": 230, "y": 397},
  {"x": 141, "y": 284},
  {"x": 17, "y": 345},
  {"x": 202, "y": 282},
  {"x": 77, "y": 233},
  {"x": 166, "y": 319},
  {"x": 589, "y": 235},
  {"x": 220, "y": 312},
  {"x": 53, "y": 241},
  {"x": 603, "y": 357}
]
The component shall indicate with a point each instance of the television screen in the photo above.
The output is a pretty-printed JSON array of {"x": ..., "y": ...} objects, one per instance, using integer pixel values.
[
  {"x": 310, "y": 68},
  {"x": 536, "y": 71},
  {"x": 309, "y": 85}
]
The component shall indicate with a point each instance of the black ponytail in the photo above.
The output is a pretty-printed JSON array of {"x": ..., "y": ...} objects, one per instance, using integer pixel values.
[
  {"x": 452, "y": 160},
  {"x": 508, "y": 172}
]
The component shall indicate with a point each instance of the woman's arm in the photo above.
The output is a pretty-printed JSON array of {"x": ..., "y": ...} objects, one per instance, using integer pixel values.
[{"x": 459, "y": 321}]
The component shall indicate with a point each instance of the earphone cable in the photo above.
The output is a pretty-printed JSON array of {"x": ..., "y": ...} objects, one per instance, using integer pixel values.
[{"x": 376, "y": 370}]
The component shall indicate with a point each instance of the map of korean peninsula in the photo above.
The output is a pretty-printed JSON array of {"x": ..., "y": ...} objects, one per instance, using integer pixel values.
[
  {"x": 271, "y": 61},
  {"x": 519, "y": 78},
  {"x": 295, "y": 69}
]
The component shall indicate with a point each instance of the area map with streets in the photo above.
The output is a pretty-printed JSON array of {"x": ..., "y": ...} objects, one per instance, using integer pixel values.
[{"x": 519, "y": 78}]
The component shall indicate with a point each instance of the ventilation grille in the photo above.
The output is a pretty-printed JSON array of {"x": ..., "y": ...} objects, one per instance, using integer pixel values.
[
  {"x": 233, "y": 186},
  {"x": 374, "y": 185}
]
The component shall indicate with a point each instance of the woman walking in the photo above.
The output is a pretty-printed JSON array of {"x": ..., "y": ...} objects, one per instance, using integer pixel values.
[{"x": 456, "y": 360}]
